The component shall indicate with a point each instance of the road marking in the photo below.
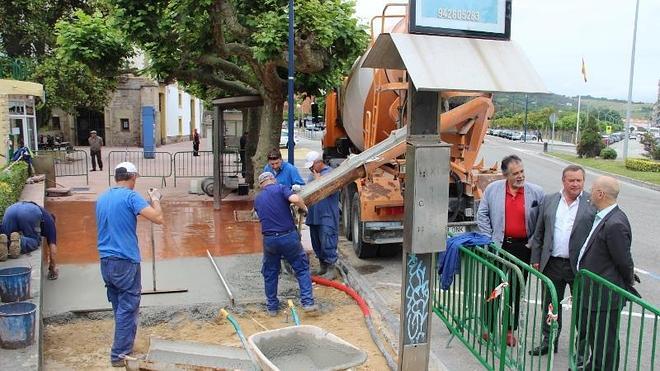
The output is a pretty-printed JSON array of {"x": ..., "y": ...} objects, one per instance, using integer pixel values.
[{"x": 653, "y": 275}]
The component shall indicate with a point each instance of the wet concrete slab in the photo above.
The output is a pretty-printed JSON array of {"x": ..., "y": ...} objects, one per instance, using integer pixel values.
[{"x": 190, "y": 228}]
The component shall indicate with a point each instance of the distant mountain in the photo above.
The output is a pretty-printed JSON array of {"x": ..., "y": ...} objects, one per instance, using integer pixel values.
[{"x": 516, "y": 103}]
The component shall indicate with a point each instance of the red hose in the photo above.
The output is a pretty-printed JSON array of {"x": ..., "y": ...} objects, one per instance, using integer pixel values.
[{"x": 339, "y": 286}]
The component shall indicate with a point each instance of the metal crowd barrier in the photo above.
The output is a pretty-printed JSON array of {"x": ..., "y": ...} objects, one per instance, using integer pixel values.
[
  {"x": 69, "y": 163},
  {"x": 158, "y": 165},
  {"x": 187, "y": 165},
  {"x": 604, "y": 313},
  {"x": 466, "y": 308},
  {"x": 479, "y": 309}
]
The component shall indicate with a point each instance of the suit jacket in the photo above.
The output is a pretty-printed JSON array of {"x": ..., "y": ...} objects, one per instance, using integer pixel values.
[
  {"x": 490, "y": 215},
  {"x": 607, "y": 254},
  {"x": 542, "y": 243}
]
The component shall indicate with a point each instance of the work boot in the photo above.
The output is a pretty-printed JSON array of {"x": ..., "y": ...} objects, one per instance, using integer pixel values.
[
  {"x": 542, "y": 349},
  {"x": 323, "y": 268},
  {"x": 272, "y": 313},
  {"x": 3, "y": 247},
  {"x": 310, "y": 308},
  {"x": 15, "y": 245},
  {"x": 118, "y": 363},
  {"x": 331, "y": 273}
]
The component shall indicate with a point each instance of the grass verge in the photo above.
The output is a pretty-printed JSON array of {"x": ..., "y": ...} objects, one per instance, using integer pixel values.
[{"x": 610, "y": 166}]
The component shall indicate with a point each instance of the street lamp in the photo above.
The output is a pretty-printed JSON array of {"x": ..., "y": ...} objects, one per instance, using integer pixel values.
[
  {"x": 630, "y": 86},
  {"x": 292, "y": 72}
]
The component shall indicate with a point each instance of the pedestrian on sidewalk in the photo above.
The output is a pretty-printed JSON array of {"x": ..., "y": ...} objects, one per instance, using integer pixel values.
[
  {"x": 538, "y": 136},
  {"x": 116, "y": 220},
  {"x": 95, "y": 144},
  {"x": 563, "y": 225},
  {"x": 196, "y": 142},
  {"x": 242, "y": 153},
  {"x": 285, "y": 173},
  {"x": 25, "y": 223},
  {"x": 281, "y": 240},
  {"x": 323, "y": 220},
  {"x": 507, "y": 213}
]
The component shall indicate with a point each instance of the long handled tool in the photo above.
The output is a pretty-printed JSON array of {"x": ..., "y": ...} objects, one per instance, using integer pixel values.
[
  {"x": 224, "y": 283},
  {"x": 153, "y": 270}
]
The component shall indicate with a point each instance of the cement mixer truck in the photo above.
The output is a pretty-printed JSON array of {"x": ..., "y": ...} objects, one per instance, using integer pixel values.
[{"x": 369, "y": 106}]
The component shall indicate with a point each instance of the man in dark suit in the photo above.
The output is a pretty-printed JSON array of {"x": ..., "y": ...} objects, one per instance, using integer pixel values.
[
  {"x": 607, "y": 254},
  {"x": 563, "y": 225}
]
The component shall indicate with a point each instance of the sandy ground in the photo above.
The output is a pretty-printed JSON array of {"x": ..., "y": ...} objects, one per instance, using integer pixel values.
[{"x": 85, "y": 344}]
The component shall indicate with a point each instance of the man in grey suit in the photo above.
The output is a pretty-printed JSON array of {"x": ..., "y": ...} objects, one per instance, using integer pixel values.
[
  {"x": 564, "y": 223},
  {"x": 507, "y": 214},
  {"x": 606, "y": 253}
]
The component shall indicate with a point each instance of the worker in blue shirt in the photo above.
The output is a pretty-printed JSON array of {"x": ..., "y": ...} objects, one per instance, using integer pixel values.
[
  {"x": 281, "y": 239},
  {"x": 116, "y": 222},
  {"x": 323, "y": 219},
  {"x": 285, "y": 173},
  {"x": 25, "y": 223}
]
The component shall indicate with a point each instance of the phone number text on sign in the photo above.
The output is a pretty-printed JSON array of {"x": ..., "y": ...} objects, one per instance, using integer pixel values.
[{"x": 459, "y": 14}]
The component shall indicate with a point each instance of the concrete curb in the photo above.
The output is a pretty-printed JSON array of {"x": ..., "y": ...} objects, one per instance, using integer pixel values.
[
  {"x": 640, "y": 183},
  {"x": 390, "y": 329}
]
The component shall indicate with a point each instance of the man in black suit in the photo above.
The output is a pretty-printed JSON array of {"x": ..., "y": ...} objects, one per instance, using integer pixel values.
[
  {"x": 563, "y": 225},
  {"x": 607, "y": 254}
]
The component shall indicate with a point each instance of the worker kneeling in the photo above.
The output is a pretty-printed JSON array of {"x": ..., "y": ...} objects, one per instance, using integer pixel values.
[
  {"x": 281, "y": 239},
  {"x": 323, "y": 219}
]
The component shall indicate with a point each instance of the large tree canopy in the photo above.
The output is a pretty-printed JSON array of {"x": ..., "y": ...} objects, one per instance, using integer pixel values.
[{"x": 239, "y": 47}]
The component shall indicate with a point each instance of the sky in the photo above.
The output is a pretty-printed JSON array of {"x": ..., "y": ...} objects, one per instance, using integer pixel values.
[{"x": 556, "y": 34}]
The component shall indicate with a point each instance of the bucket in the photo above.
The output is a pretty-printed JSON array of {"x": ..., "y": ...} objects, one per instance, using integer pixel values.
[
  {"x": 17, "y": 322},
  {"x": 15, "y": 284}
]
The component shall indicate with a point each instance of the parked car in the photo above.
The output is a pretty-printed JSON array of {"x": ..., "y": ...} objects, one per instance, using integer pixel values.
[{"x": 606, "y": 139}]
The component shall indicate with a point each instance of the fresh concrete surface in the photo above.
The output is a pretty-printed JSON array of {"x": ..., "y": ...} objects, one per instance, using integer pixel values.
[
  {"x": 28, "y": 358},
  {"x": 81, "y": 288}
]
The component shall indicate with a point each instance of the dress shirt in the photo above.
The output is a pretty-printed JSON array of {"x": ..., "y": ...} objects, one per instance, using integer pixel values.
[
  {"x": 599, "y": 216},
  {"x": 564, "y": 219}
]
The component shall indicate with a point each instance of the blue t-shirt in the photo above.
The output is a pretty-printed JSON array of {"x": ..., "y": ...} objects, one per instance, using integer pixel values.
[
  {"x": 326, "y": 211},
  {"x": 288, "y": 174},
  {"x": 116, "y": 221},
  {"x": 272, "y": 206}
]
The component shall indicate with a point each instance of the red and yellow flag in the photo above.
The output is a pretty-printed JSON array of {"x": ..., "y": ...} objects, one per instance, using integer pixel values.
[{"x": 584, "y": 70}]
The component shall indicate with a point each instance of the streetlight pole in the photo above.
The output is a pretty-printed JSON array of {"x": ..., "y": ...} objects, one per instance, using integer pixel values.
[
  {"x": 630, "y": 86},
  {"x": 292, "y": 72},
  {"x": 525, "y": 128}
]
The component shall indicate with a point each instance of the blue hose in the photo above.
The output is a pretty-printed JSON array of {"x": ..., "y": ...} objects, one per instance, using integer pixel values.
[{"x": 294, "y": 313}]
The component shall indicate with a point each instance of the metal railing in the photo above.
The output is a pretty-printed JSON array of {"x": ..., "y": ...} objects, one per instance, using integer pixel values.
[
  {"x": 603, "y": 313},
  {"x": 69, "y": 163},
  {"x": 154, "y": 165},
  {"x": 466, "y": 308},
  {"x": 188, "y": 165},
  {"x": 473, "y": 311}
]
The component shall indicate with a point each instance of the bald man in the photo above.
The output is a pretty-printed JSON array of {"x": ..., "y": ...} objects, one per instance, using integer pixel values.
[{"x": 606, "y": 252}]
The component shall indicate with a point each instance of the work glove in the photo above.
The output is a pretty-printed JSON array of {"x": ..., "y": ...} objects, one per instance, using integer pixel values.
[
  {"x": 154, "y": 194},
  {"x": 296, "y": 188}
]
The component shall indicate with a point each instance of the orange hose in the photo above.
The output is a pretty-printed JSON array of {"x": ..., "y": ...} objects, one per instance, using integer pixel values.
[{"x": 339, "y": 286}]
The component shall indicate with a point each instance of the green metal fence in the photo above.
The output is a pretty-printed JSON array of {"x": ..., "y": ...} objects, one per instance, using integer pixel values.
[
  {"x": 69, "y": 163},
  {"x": 466, "y": 308},
  {"x": 479, "y": 309},
  {"x": 621, "y": 329}
]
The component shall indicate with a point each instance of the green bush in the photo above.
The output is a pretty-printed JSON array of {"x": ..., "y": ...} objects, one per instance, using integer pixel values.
[
  {"x": 608, "y": 153},
  {"x": 12, "y": 182},
  {"x": 590, "y": 142},
  {"x": 640, "y": 164}
]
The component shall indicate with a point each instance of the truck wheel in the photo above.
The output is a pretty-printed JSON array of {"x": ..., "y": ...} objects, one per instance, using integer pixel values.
[
  {"x": 362, "y": 250},
  {"x": 346, "y": 214}
]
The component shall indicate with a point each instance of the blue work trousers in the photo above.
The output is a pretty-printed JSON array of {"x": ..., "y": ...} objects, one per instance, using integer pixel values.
[
  {"x": 324, "y": 243},
  {"x": 285, "y": 246},
  {"x": 123, "y": 283}
]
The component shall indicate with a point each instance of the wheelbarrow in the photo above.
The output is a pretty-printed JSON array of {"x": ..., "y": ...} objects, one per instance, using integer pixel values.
[{"x": 303, "y": 348}]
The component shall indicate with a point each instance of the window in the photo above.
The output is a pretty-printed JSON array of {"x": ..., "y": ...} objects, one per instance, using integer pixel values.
[
  {"x": 180, "y": 100},
  {"x": 180, "y": 126},
  {"x": 56, "y": 123},
  {"x": 124, "y": 125}
]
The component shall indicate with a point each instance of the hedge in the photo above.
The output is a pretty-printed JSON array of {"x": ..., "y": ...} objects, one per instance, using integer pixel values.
[
  {"x": 608, "y": 153},
  {"x": 12, "y": 182},
  {"x": 640, "y": 164}
]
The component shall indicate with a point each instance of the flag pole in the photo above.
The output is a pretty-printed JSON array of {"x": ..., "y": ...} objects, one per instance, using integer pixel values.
[
  {"x": 626, "y": 133},
  {"x": 577, "y": 123}
]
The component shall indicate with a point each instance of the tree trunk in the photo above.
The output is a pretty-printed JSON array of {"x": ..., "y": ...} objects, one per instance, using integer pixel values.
[
  {"x": 269, "y": 133},
  {"x": 252, "y": 127}
]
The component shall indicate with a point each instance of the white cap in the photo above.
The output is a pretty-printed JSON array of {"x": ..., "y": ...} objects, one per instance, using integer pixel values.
[
  {"x": 311, "y": 157},
  {"x": 125, "y": 167}
]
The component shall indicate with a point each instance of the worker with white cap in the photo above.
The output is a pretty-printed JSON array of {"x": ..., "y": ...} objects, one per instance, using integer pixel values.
[
  {"x": 116, "y": 222},
  {"x": 281, "y": 240},
  {"x": 323, "y": 219}
]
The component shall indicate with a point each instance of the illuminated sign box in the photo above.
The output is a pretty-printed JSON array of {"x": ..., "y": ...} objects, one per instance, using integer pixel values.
[{"x": 486, "y": 19}]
